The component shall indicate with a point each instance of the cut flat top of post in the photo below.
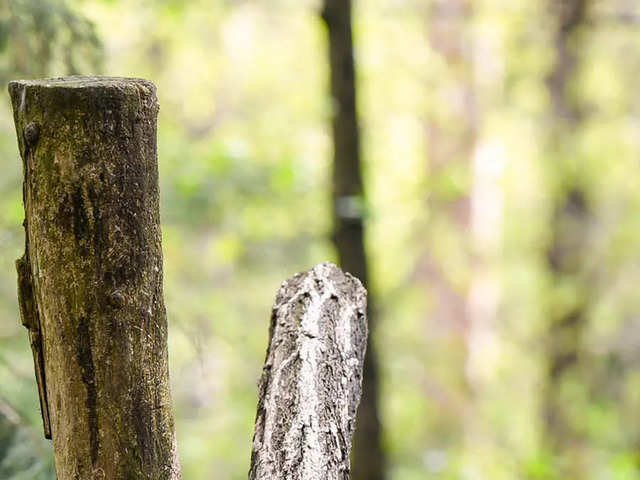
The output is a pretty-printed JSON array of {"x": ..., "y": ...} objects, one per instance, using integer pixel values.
[{"x": 83, "y": 81}]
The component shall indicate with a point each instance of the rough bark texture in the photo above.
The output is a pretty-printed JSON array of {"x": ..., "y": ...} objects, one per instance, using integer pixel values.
[
  {"x": 90, "y": 281},
  {"x": 368, "y": 462},
  {"x": 311, "y": 381}
]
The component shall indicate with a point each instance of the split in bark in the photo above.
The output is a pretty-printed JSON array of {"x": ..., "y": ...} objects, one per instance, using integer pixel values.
[
  {"x": 90, "y": 281},
  {"x": 311, "y": 380}
]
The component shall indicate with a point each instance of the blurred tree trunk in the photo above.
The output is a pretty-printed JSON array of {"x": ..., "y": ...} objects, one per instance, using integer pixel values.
[
  {"x": 451, "y": 134},
  {"x": 450, "y": 141},
  {"x": 567, "y": 251},
  {"x": 368, "y": 459},
  {"x": 90, "y": 280}
]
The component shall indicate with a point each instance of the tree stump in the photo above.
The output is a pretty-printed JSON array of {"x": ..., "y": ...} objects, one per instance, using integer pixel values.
[
  {"x": 90, "y": 280},
  {"x": 311, "y": 380}
]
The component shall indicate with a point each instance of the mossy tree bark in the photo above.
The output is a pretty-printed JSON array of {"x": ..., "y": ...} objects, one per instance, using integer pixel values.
[
  {"x": 348, "y": 219},
  {"x": 311, "y": 381},
  {"x": 90, "y": 280}
]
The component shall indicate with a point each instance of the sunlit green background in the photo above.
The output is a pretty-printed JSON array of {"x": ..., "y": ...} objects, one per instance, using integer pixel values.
[{"x": 245, "y": 161}]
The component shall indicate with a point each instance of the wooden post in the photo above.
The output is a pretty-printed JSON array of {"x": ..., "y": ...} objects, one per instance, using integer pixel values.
[
  {"x": 90, "y": 280},
  {"x": 311, "y": 381}
]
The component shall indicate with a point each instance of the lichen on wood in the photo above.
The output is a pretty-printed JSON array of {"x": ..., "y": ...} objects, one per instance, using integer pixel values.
[
  {"x": 91, "y": 277},
  {"x": 311, "y": 380}
]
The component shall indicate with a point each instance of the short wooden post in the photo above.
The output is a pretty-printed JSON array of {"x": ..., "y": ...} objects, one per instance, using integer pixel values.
[{"x": 311, "y": 380}]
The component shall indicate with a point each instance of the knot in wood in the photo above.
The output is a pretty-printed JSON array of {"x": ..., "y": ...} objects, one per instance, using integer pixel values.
[
  {"x": 31, "y": 134},
  {"x": 116, "y": 299}
]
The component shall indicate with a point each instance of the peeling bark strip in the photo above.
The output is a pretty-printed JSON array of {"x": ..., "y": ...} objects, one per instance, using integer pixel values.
[
  {"x": 90, "y": 281},
  {"x": 31, "y": 322},
  {"x": 311, "y": 380}
]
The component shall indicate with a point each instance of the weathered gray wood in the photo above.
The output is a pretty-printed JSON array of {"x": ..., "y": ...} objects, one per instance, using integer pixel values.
[
  {"x": 311, "y": 380},
  {"x": 90, "y": 281}
]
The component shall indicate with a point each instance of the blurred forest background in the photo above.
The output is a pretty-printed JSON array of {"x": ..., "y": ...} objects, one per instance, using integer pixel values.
[{"x": 501, "y": 164}]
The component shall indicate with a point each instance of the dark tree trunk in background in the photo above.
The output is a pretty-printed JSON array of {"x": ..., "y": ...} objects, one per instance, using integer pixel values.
[
  {"x": 90, "y": 281},
  {"x": 368, "y": 461},
  {"x": 571, "y": 216},
  {"x": 311, "y": 380}
]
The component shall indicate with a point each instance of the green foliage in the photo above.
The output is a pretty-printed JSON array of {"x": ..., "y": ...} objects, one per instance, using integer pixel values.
[
  {"x": 18, "y": 460},
  {"x": 41, "y": 36}
]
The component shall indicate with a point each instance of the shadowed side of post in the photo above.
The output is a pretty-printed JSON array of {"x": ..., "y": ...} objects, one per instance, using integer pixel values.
[{"x": 311, "y": 379}]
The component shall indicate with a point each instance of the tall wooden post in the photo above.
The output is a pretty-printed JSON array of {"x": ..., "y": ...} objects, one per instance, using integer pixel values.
[{"x": 90, "y": 280}]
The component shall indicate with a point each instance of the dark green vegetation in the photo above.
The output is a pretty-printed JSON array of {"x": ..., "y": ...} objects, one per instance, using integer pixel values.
[{"x": 502, "y": 232}]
